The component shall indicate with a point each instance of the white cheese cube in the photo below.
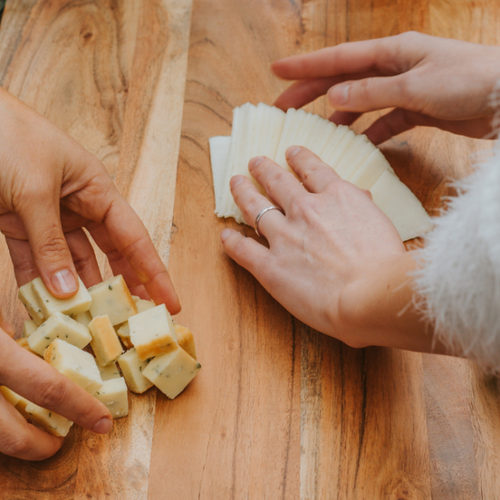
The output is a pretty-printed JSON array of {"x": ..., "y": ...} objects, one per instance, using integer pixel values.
[
  {"x": 84, "y": 318},
  {"x": 50, "y": 305},
  {"x": 152, "y": 332},
  {"x": 172, "y": 372},
  {"x": 28, "y": 298},
  {"x": 15, "y": 400},
  {"x": 105, "y": 342},
  {"x": 109, "y": 372},
  {"x": 114, "y": 395},
  {"x": 29, "y": 327},
  {"x": 59, "y": 326},
  {"x": 124, "y": 333},
  {"x": 136, "y": 298},
  {"x": 23, "y": 342},
  {"x": 132, "y": 368},
  {"x": 185, "y": 339},
  {"x": 51, "y": 422},
  {"x": 79, "y": 366},
  {"x": 144, "y": 305}
]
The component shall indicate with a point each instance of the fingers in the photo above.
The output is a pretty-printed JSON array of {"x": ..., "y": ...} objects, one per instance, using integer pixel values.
[
  {"x": 49, "y": 248},
  {"x": 22, "y": 259},
  {"x": 6, "y": 326},
  {"x": 37, "y": 381},
  {"x": 83, "y": 257},
  {"x": 315, "y": 175},
  {"x": 281, "y": 186},
  {"x": 387, "y": 56},
  {"x": 344, "y": 117},
  {"x": 251, "y": 203}
]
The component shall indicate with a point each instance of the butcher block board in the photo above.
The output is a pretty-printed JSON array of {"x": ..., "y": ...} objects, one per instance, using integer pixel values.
[{"x": 278, "y": 411}]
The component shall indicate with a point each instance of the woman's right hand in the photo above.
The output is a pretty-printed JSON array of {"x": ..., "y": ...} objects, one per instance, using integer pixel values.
[{"x": 429, "y": 81}]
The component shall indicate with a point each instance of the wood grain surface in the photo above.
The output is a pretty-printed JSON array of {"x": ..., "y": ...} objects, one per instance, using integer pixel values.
[{"x": 278, "y": 411}]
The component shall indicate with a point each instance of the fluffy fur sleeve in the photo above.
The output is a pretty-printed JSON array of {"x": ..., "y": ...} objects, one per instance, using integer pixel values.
[{"x": 459, "y": 277}]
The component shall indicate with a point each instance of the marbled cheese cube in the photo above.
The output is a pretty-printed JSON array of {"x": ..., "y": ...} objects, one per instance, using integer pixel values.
[
  {"x": 27, "y": 297},
  {"x": 51, "y": 422},
  {"x": 105, "y": 342},
  {"x": 84, "y": 318},
  {"x": 114, "y": 395},
  {"x": 50, "y": 305},
  {"x": 124, "y": 333},
  {"x": 185, "y": 339},
  {"x": 59, "y": 326},
  {"x": 144, "y": 305},
  {"x": 112, "y": 297},
  {"x": 109, "y": 372},
  {"x": 172, "y": 372},
  {"x": 152, "y": 332},
  {"x": 132, "y": 368},
  {"x": 15, "y": 400},
  {"x": 29, "y": 327},
  {"x": 79, "y": 366},
  {"x": 23, "y": 342}
]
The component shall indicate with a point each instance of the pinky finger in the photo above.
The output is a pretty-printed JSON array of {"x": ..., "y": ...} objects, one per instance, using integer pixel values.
[{"x": 22, "y": 440}]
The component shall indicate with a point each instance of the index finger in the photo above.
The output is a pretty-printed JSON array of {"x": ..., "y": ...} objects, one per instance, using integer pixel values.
[
  {"x": 31, "y": 377},
  {"x": 386, "y": 56}
]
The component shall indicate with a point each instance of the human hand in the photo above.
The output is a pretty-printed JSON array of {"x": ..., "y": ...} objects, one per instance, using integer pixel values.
[
  {"x": 34, "y": 379},
  {"x": 430, "y": 81},
  {"x": 51, "y": 188},
  {"x": 332, "y": 237}
]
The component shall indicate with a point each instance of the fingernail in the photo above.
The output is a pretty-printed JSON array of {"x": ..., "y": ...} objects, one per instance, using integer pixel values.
[
  {"x": 254, "y": 162},
  {"x": 237, "y": 179},
  {"x": 292, "y": 151},
  {"x": 64, "y": 281},
  {"x": 225, "y": 235},
  {"x": 103, "y": 426},
  {"x": 339, "y": 95}
]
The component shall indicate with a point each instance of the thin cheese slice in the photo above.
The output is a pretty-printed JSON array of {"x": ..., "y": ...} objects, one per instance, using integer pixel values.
[
  {"x": 219, "y": 153},
  {"x": 370, "y": 170}
]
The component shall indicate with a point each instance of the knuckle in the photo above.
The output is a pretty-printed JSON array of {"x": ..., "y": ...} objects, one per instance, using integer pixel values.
[
  {"x": 53, "y": 246},
  {"x": 16, "y": 445},
  {"x": 274, "y": 180},
  {"x": 54, "y": 394}
]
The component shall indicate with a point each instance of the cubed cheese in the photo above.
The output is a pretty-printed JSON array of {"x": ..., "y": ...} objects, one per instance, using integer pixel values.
[
  {"x": 132, "y": 368},
  {"x": 59, "y": 326},
  {"x": 84, "y": 318},
  {"x": 29, "y": 327},
  {"x": 185, "y": 339},
  {"x": 23, "y": 342},
  {"x": 50, "y": 305},
  {"x": 79, "y": 366},
  {"x": 15, "y": 400},
  {"x": 105, "y": 342},
  {"x": 109, "y": 372},
  {"x": 172, "y": 372},
  {"x": 144, "y": 305},
  {"x": 152, "y": 332},
  {"x": 112, "y": 297},
  {"x": 114, "y": 395},
  {"x": 136, "y": 298},
  {"x": 27, "y": 297},
  {"x": 51, "y": 422},
  {"x": 124, "y": 333}
]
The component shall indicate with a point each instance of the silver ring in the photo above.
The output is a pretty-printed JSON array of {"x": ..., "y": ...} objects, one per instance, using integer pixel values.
[{"x": 261, "y": 213}]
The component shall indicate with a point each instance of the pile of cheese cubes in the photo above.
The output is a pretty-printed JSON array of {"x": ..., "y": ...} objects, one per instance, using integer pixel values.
[{"x": 157, "y": 351}]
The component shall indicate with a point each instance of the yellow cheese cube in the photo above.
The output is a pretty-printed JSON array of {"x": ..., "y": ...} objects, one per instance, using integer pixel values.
[
  {"x": 109, "y": 372},
  {"x": 50, "y": 305},
  {"x": 15, "y": 400},
  {"x": 172, "y": 372},
  {"x": 132, "y": 368},
  {"x": 84, "y": 318},
  {"x": 105, "y": 342},
  {"x": 79, "y": 366},
  {"x": 152, "y": 332},
  {"x": 112, "y": 297},
  {"x": 59, "y": 326},
  {"x": 23, "y": 342},
  {"x": 27, "y": 297},
  {"x": 114, "y": 395},
  {"x": 124, "y": 333},
  {"x": 185, "y": 339},
  {"x": 51, "y": 422},
  {"x": 29, "y": 327}
]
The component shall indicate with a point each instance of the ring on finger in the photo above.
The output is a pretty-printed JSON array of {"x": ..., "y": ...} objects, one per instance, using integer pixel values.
[{"x": 261, "y": 213}]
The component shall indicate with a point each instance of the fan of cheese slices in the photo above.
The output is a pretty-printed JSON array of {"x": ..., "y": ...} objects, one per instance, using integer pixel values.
[
  {"x": 157, "y": 351},
  {"x": 267, "y": 131}
]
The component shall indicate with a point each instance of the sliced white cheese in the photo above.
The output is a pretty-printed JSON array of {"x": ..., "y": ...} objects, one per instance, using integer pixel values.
[
  {"x": 219, "y": 154},
  {"x": 132, "y": 368},
  {"x": 370, "y": 170},
  {"x": 114, "y": 395},
  {"x": 401, "y": 206}
]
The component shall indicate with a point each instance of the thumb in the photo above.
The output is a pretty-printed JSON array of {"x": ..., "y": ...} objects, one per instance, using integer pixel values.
[{"x": 42, "y": 222}]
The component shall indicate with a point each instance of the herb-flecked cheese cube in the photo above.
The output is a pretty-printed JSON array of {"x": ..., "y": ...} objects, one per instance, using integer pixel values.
[
  {"x": 185, "y": 339},
  {"x": 124, "y": 333},
  {"x": 144, "y": 305},
  {"x": 112, "y": 297},
  {"x": 29, "y": 327},
  {"x": 105, "y": 342},
  {"x": 23, "y": 342},
  {"x": 152, "y": 332},
  {"x": 28, "y": 298},
  {"x": 51, "y": 422},
  {"x": 59, "y": 326},
  {"x": 50, "y": 305},
  {"x": 132, "y": 368},
  {"x": 114, "y": 395},
  {"x": 15, "y": 400},
  {"x": 109, "y": 372},
  {"x": 172, "y": 372},
  {"x": 84, "y": 318},
  {"x": 79, "y": 366}
]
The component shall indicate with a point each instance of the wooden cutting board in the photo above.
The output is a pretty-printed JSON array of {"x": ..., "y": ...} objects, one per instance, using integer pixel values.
[{"x": 278, "y": 410}]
